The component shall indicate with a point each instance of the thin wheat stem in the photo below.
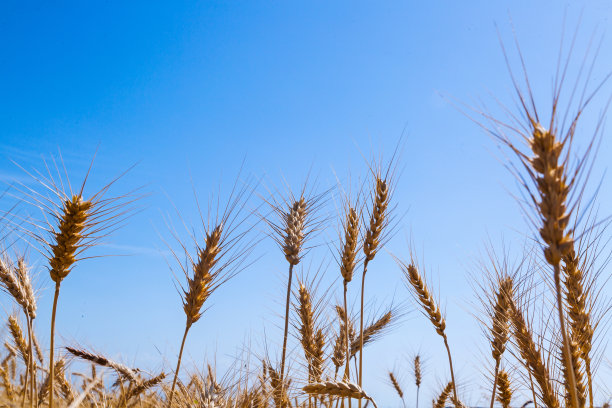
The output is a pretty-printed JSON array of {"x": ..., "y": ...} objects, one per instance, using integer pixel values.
[
  {"x": 450, "y": 362},
  {"x": 494, "y": 382},
  {"x": 178, "y": 365},
  {"x": 348, "y": 349},
  {"x": 365, "y": 270},
  {"x": 25, "y": 381},
  {"x": 31, "y": 359},
  {"x": 346, "y": 329},
  {"x": 286, "y": 332},
  {"x": 51, "y": 368}
]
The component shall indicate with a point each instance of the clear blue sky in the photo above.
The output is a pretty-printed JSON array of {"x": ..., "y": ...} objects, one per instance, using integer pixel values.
[{"x": 188, "y": 90}]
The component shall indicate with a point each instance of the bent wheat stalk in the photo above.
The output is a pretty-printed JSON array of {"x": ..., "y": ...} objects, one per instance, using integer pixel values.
[{"x": 430, "y": 310}]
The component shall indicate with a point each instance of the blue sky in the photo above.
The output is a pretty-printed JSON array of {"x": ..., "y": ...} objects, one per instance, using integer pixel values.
[{"x": 187, "y": 91}]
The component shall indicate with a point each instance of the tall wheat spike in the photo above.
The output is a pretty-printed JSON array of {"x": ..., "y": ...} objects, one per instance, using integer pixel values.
[
  {"x": 218, "y": 260},
  {"x": 72, "y": 224},
  {"x": 379, "y": 220},
  {"x": 295, "y": 224},
  {"x": 549, "y": 182}
]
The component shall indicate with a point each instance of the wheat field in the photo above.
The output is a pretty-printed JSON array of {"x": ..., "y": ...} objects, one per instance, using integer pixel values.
[{"x": 543, "y": 315}]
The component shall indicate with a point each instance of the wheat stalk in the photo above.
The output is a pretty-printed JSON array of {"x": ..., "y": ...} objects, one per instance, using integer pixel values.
[
  {"x": 371, "y": 243},
  {"x": 431, "y": 310},
  {"x": 199, "y": 288},
  {"x": 291, "y": 234}
]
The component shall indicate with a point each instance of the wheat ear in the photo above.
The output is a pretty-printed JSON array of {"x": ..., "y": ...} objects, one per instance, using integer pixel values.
[
  {"x": 371, "y": 244},
  {"x": 307, "y": 331},
  {"x": 339, "y": 389},
  {"x": 293, "y": 236},
  {"x": 532, "y": 357},
  {"x": 551, "y": 182},
  {"x": 347, "y": 268},
  {"x": 21, "y": 345},
  {"x": 279, "y": 390},
  {"x": 431, "y": 310},
  {"x": 371, "y": 331},
  {"x": 145, "y": 385},
  {"x": 100, "y": 360},
  {"x": 23, "y": 274},
  {"x": 199, "y": 288},
  {"x": 580, "y": 319},
  {"x": 397, "y": 387},
  {"x": 504, "y": 392},
  {"x": 67, "y": 241},
  {"x": 500, "y": 327},
  {"x": 339, "y": 350},
  {"x": 440, "y": 402},
  {"x": 418, "y": 376}
]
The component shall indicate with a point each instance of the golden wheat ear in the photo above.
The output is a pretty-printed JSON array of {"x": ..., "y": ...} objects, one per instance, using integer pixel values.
[
  {"x": 424, "y": 298},
  {"x": 531, "y": 356},
  {"x": 71, "y": 223},
  {"x": 339, "y": 389},
  {"x": 219, "y": 256},
  {"x": 395, "y": 383},
  {"x": 553, "y": 175},
  {"x": 293, "y": 220}
]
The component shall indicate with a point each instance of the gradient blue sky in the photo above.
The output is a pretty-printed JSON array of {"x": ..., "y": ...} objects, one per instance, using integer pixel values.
[{"x": 188, "y": 90}]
